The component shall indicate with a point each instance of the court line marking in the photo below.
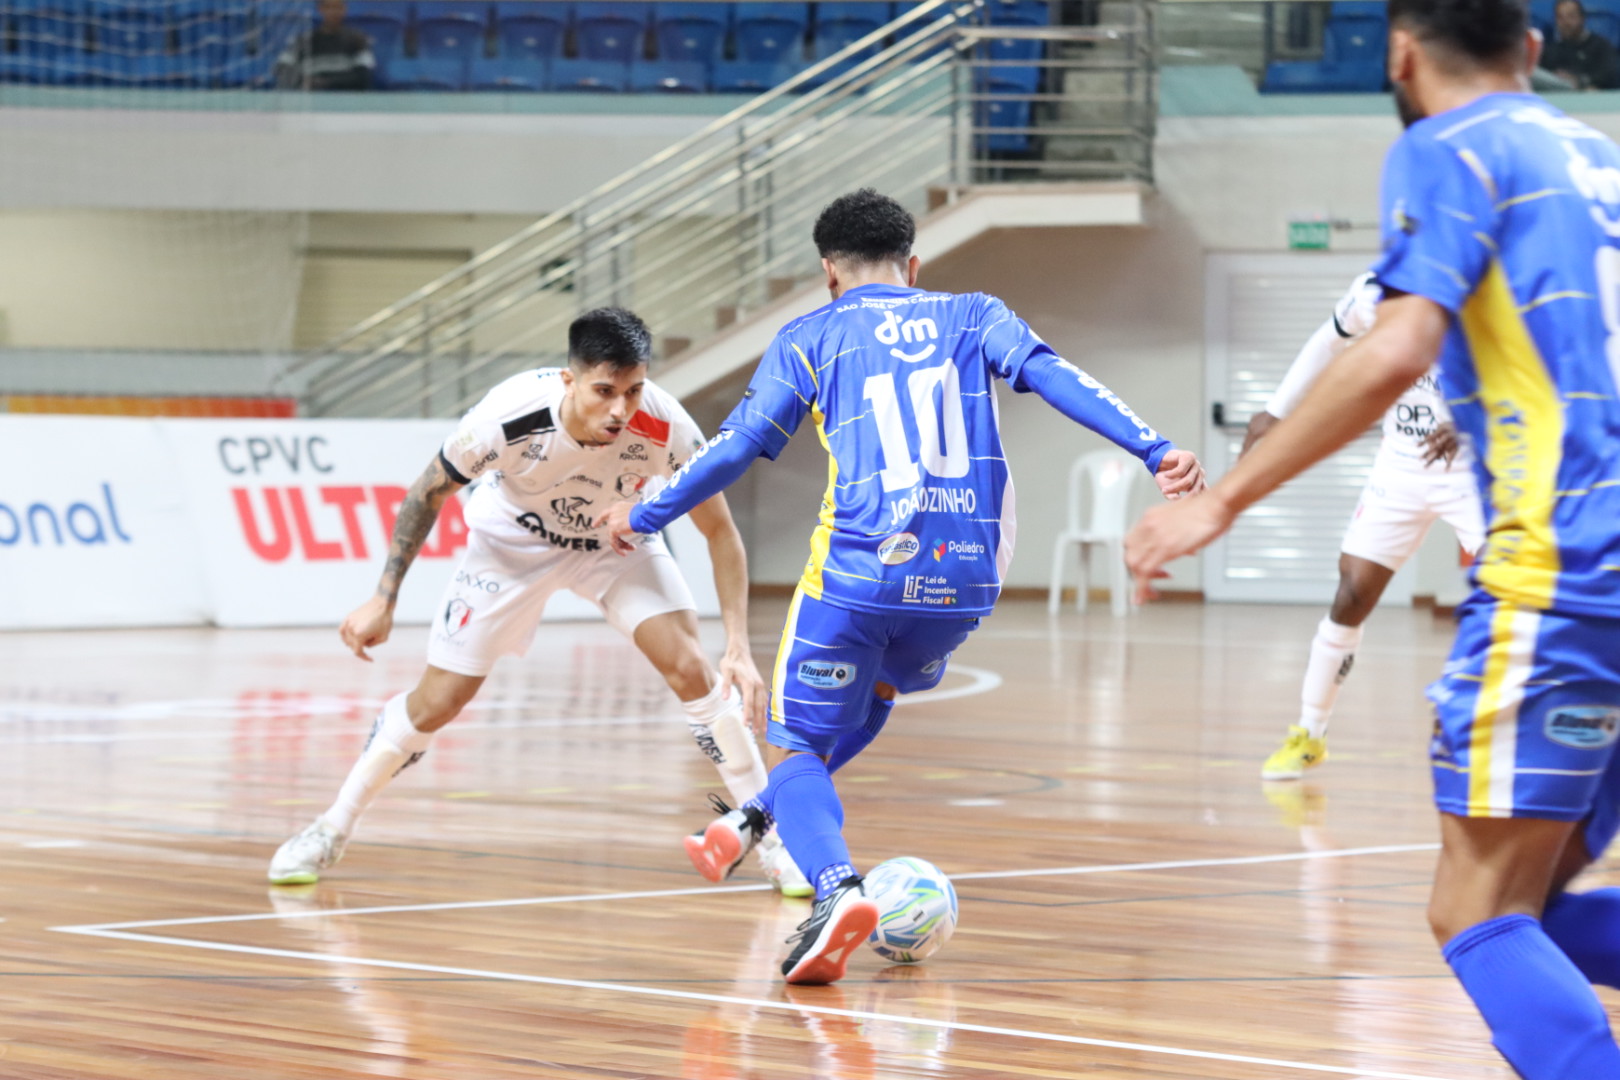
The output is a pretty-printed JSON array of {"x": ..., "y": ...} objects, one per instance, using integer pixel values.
[
  {"x": 754, "y": 1003},
  {"x": 710, "y": 890},
  {"x": 980, "y": 681}
]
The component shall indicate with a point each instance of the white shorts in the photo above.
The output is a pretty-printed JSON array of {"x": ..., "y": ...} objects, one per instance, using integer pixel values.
[
  {"x": 1397, "y": 508},
  {"x": 494, "y": 601}
]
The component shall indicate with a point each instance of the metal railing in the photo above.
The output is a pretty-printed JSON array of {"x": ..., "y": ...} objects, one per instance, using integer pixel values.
[{"x": 718, "y": 225}]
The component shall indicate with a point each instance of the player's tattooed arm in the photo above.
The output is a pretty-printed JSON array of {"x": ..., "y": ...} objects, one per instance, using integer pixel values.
[
  {"x": 417, "y": 515},
  {"x": 371, "y": 623}
]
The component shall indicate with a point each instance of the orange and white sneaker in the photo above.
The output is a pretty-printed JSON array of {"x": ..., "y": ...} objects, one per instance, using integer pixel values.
[
  {"x": 717, "y": 849},
  {"x": 837, "y": 925}
]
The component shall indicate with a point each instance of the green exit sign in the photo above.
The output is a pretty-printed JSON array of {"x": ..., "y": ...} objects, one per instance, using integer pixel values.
[{"x": 1310, "y": 235}]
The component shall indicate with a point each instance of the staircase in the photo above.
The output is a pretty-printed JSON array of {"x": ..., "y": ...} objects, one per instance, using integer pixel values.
[{"x": 709, "y": 241}]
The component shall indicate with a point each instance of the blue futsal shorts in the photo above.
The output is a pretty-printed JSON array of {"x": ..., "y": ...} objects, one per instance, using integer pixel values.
[
  {"x": 831, "y": 657},
  {"x": 1527, "y": 714}
]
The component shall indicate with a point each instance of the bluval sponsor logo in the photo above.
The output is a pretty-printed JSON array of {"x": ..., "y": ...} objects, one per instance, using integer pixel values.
[
  {"x": 826, "y": 676},
  {"x": 1583, "y": 727}
]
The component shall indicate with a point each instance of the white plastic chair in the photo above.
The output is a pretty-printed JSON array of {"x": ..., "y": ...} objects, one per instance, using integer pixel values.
[{"x": 1098, "y": 515}]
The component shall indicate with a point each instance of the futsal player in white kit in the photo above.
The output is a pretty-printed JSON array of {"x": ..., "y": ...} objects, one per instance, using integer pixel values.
[
  {"x": 1418, "y": 478},
  {"x": 546, "y": 451}
]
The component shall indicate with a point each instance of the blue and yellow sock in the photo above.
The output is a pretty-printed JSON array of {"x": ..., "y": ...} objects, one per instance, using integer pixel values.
[
  {"x": 809, "y": 819},
  {"x": 1587, "y": 927},
  {"x": 1541, "y": 1010},
  {"x": 854, "y": 741}
]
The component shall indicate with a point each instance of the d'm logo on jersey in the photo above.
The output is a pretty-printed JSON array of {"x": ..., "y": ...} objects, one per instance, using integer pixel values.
[{"x": 891, "y": 331}]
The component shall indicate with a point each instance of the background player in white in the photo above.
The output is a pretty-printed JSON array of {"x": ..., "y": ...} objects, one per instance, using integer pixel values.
[
  {"x": 1417, "y": 478},
  {"x": 548, "y": 449}
]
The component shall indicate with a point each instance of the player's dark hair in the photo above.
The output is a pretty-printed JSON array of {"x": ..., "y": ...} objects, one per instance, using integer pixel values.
[
  {"x": 865, "y": 227},
  {"x": 609, "y": 335},
  {"x": 1486, "y": 32}
]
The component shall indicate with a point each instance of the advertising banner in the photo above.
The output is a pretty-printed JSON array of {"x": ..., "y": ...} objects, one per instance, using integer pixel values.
[{"x": 235, "y": 522}]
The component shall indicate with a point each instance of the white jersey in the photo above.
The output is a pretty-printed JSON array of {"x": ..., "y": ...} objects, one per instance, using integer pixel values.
[
  {"x": 535, "y": 482},
  {"x": 1410, "y": 421}
]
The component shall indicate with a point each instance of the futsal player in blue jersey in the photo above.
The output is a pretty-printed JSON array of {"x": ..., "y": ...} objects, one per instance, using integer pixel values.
[
  {"x": 916, "y": 526},
  {"x": 1502, "y": 258}
]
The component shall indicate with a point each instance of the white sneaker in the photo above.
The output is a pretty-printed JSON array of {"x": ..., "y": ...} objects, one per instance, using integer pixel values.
[
  {"x": 780, "y": 869},
  {"x": 300, "y": 860}
]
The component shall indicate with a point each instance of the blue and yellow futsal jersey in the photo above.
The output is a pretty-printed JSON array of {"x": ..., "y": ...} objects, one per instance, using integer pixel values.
[
  {"x": 1506, "y": 212},
  {"x": 917, "y": 516}
]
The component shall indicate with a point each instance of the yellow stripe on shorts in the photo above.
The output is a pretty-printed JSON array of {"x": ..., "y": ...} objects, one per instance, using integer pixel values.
[
  {"x": 1493, "y": 743},
  {"x": 790, "y": 626}
]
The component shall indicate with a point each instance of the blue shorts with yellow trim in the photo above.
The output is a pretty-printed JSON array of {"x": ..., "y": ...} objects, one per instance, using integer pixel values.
[
  {"x": 1527, "y": 714},
  {"x": 831, "y": 657}
]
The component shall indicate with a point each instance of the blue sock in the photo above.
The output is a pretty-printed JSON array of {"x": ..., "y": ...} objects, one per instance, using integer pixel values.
[
  {"x": 810, "y": 820},
  {"x": 854, "y": 741},
  {"x": 1587, "y": 927},
  {"x": 1542, "y": 1013}
]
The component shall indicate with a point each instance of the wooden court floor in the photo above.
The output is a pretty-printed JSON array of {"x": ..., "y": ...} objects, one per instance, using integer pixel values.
[{"x": 1133, "y": 902}]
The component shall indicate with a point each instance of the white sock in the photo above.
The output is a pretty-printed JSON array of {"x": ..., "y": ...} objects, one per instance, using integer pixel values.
[
  {"x": 716, "y": 722},
  {"x": 395, "y": 743},
  {"x": 1333, "y": 652}
]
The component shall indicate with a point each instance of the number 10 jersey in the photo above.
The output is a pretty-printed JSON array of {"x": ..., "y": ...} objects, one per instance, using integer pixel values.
[{"x": 918, "y": 510}]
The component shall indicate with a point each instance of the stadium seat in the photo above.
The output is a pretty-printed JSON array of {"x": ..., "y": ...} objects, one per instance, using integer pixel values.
[
  {"x": 451, "y": 29},
  {"x": 1355, "y": 40},
  {"x": 508, "y": 74},
  {"x": 383, "y": 21},
  {"x": 611, "y": 32},
  {"x": 1541, "y": 16},
  {"x": 131, "y": 46},
  {"x": 1359, "y": 9},
  {"x": 771, "y": 33},
  {"x": 428, "y": 73},
  {"x": 1322, "y": 77},
  {"x": 1020, "y": 12},
  {"x": 669, "y": 76},
  {"x": 691, "y": 32},
  {"x": 590, "y": 76},
  {"x": 837, "y": 25},
  {"x": 752, "y": 76},
  {"x": 1005, "y": 119},
  {"x": 1009, "y": 51},
  {"x": 527, "y": 28},
  {"x": 1605, "y": 24}
]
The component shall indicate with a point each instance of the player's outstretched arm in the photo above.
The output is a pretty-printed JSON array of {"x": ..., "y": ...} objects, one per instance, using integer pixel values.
[
  {"x": 372, "y": 622},
  {"x": 713, "y": 519},
  {"x": 1352, "y": 394},
  {"x": 717, "y": 465}
]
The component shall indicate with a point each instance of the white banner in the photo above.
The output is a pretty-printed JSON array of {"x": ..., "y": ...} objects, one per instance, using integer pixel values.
[{"x": 236, "y": 522}]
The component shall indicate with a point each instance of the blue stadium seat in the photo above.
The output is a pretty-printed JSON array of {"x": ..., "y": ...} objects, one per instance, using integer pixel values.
[
  {"x": 451, "y": 29},
  {"x": 590, "y": 76},
  {"x": 1605, "y": 24},
  {"x": 1006, "y": 119},
  {"x": 752, "y": 76},
  {"x": 838, "y": 24},
  {"x": 1322, "y": 77},
  {"x": 448, "y": 37},
  {"x": 206, "y": 33},
  {"x": 691, "y": 32},
  {"x": 670, "y": 76},
  {"x": 508, "y": 74},
  {"x": 1359, "y": 9},
  {"x": 1020, "y": 12},
  {"x": 383, "y": 21},
  {"x": 611, "y": 32},
  {"x": 1016, "y": 51},
  {"x": 526, "y": 29},
  {"x": 1355, "y": 40},
  {"x": 1541, "y": 16},
  {"x": 771, "y": 33},
  {"x": 131, "y": 46},
  {"x": 428, "y": 73}
]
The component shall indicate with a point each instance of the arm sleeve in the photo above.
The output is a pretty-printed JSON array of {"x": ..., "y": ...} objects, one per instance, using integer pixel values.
[
  {"x": 1439, "y": 221},
  {"x": 715, "y": 467},
  {"x": 782, "y": 392},
  {"x": 1312, "y": 360},
  {"x": 1007, "y": 342},
  {"x": 1091, "y": 404}
]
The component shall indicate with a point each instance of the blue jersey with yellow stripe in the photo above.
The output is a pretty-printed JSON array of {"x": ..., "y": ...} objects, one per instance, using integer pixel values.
[
  {"x": 918, "y": 511},
  {"x": 1506, "y": 212}
]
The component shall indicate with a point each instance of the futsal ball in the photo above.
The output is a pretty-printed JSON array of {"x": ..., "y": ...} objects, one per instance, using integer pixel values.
[{"x": 916, "y": 909}]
